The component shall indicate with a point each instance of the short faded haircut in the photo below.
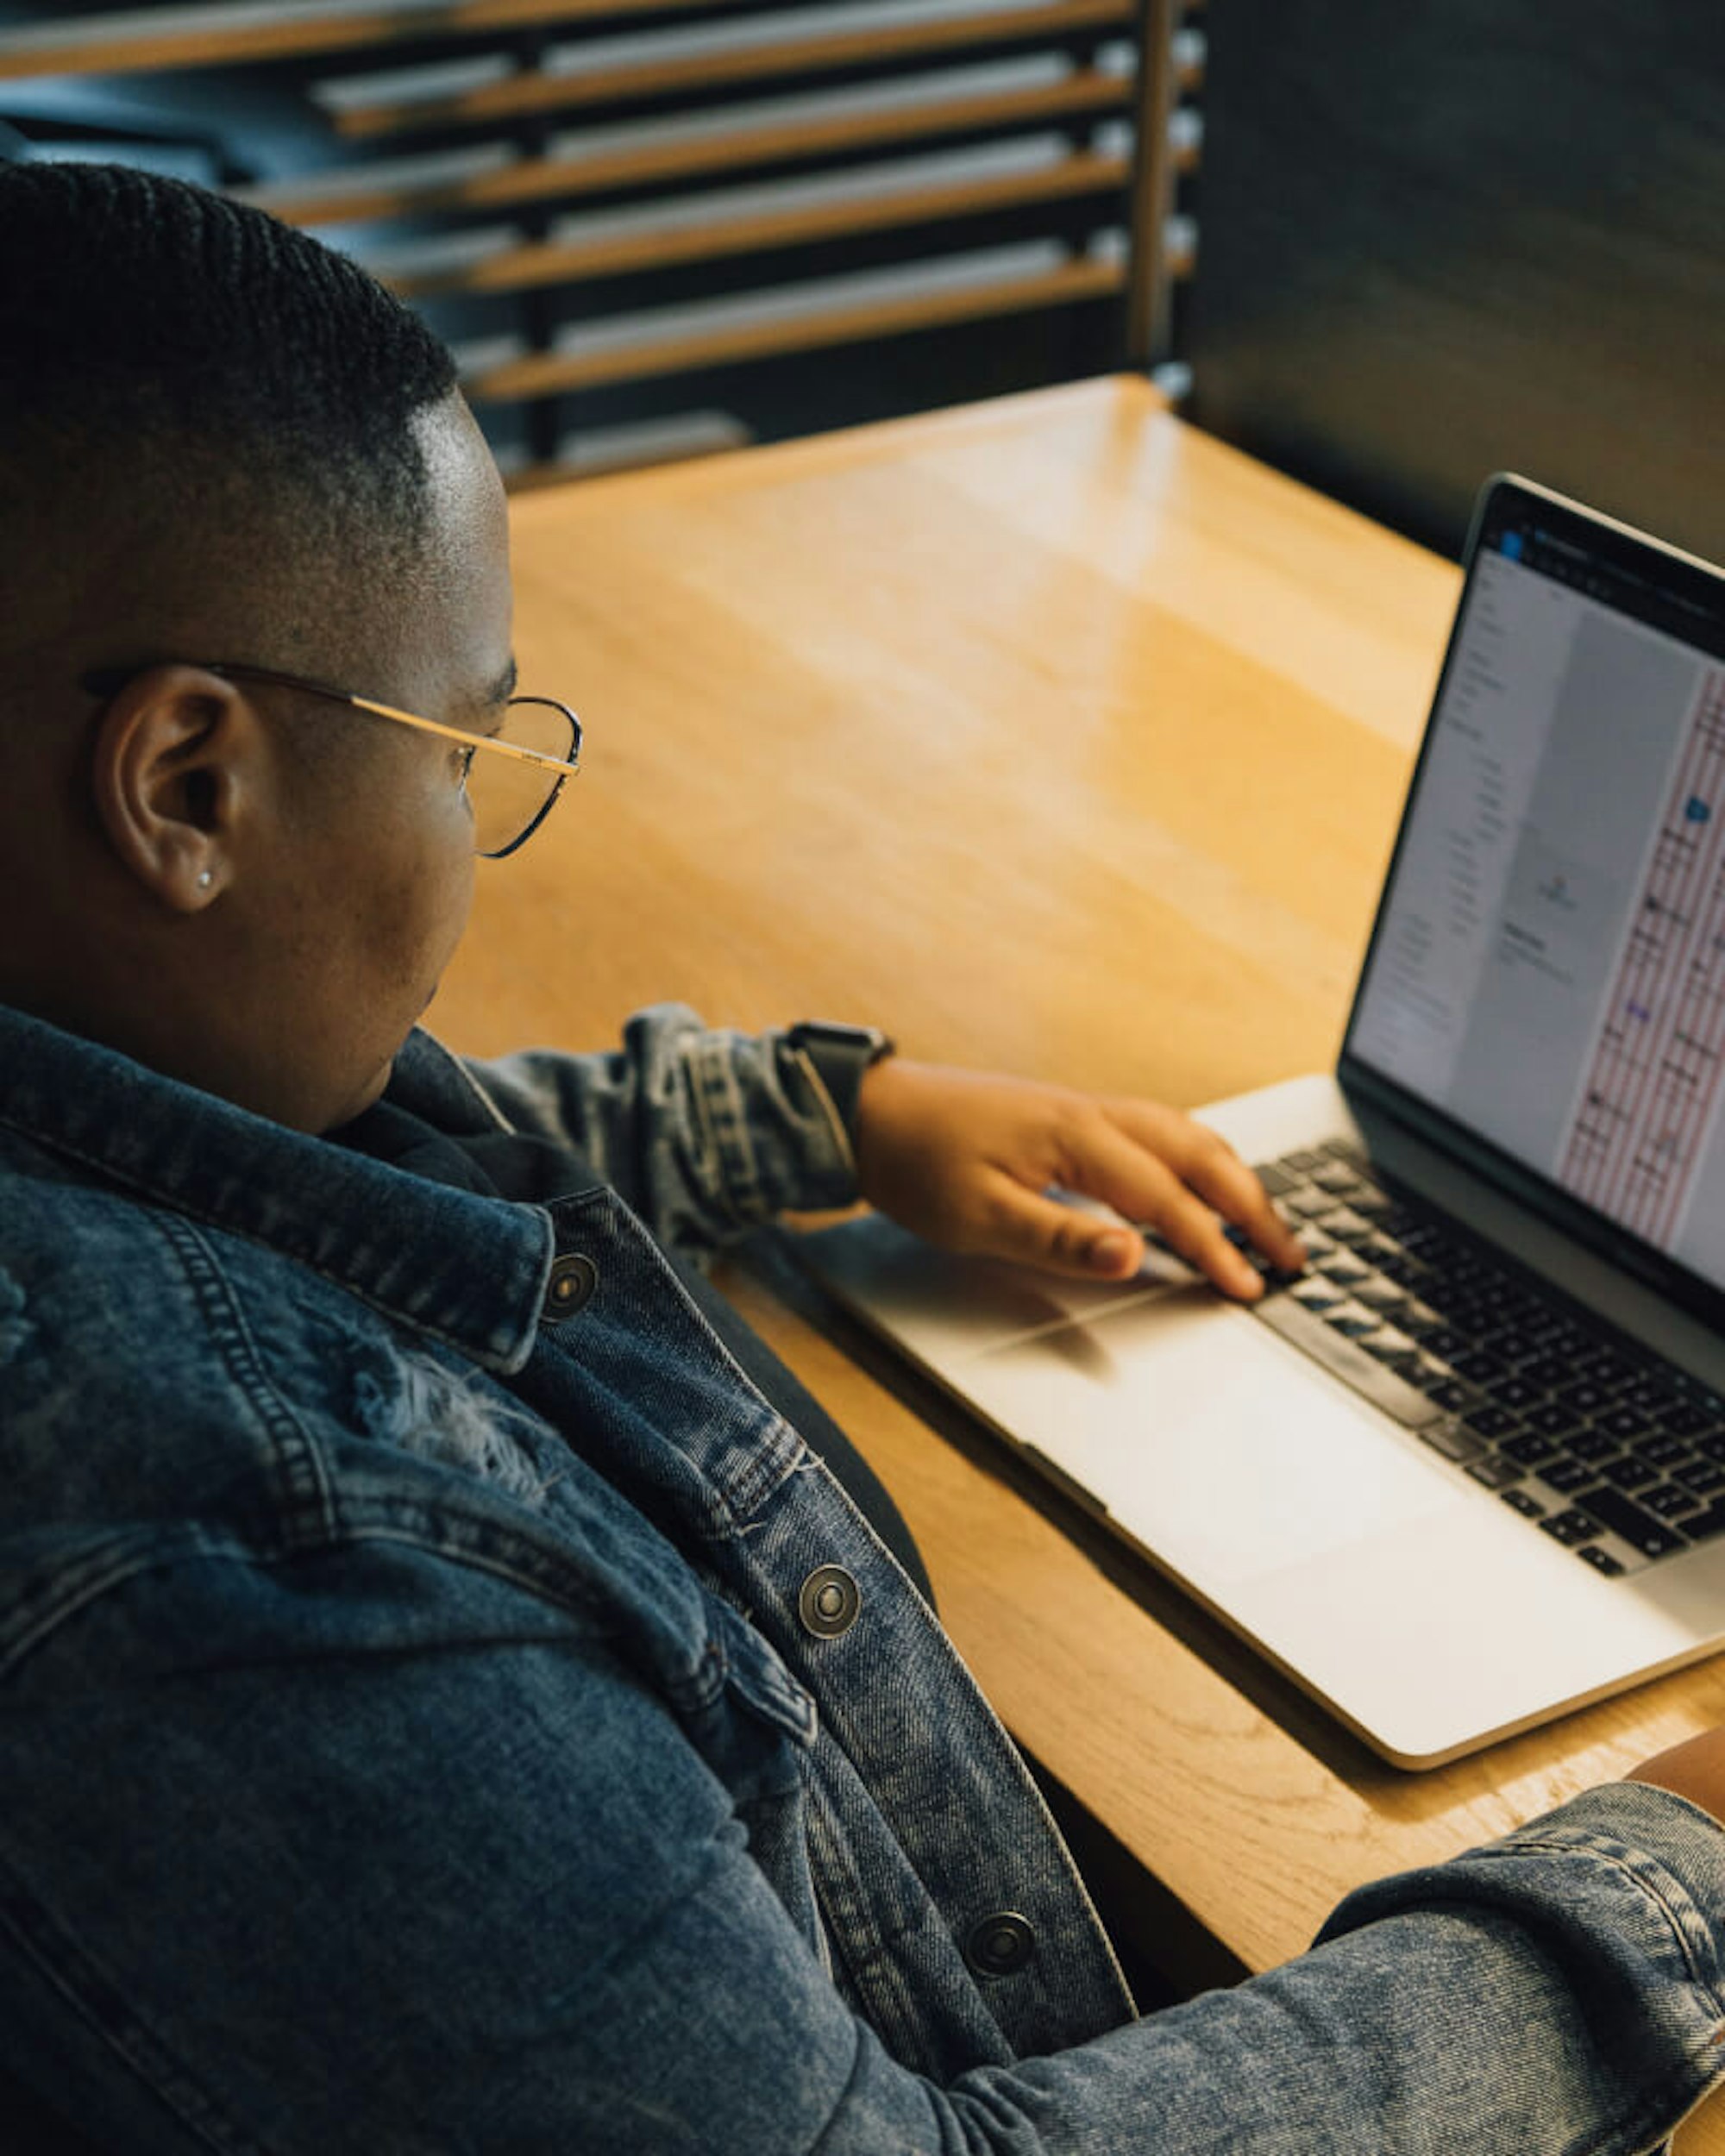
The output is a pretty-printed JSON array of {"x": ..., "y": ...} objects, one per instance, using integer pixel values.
[{"x": 168, "y": 355}]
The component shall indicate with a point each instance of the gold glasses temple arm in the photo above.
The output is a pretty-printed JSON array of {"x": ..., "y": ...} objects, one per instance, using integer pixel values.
[{"x": 457, "y": 733}]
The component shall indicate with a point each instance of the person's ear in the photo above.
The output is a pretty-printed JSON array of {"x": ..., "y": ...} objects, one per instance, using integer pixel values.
[{"x": 171, "y": 775}]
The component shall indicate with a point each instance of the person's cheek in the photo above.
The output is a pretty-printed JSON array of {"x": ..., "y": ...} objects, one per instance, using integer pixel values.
[{"x": 456, "y": 899}]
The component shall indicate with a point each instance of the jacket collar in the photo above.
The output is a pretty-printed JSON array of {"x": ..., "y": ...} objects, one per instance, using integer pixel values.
[{"x": 470, "y": 1270}]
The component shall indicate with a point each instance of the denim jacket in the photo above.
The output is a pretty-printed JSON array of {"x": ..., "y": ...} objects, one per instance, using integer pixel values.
[{"x": 447, "y": 1707}]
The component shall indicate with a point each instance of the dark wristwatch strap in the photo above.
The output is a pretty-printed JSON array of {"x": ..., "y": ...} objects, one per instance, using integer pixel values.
[{"x": 837, "y": 1057}]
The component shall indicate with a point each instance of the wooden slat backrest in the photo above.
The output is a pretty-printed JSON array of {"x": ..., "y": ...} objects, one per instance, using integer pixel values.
[
  {"x": 138, "y": 40},
  {"x": 966, "y": 125},
  {"x": 1088, "y": 92},
  {"x": 541, "y": 92},
  {"x": 547, "y": 262},
  {"x": 545, "y": 372}
]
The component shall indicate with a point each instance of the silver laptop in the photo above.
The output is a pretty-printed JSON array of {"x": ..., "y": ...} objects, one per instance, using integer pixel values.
[{"x": 1469, "y": 1470}]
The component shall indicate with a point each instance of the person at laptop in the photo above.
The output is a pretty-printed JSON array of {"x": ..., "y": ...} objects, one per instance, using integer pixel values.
[{"x": 449, "y": 1704}]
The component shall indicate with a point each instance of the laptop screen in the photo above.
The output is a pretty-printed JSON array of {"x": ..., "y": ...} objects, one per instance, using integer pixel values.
[{"x": 1547, "y": 970}]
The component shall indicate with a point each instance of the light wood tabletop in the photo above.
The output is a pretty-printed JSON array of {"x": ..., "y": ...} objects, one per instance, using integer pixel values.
[{"x": 1058, "y": 738}]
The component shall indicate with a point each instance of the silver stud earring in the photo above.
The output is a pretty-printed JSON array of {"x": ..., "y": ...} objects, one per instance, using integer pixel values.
[{"x": 205, "y": 880}]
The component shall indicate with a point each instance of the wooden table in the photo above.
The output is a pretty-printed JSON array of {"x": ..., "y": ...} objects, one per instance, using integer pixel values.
[{"x": 1060, "y": 739}]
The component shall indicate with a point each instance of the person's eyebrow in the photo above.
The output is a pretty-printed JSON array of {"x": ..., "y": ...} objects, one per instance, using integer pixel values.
[
  {"x": 504, "y": 688},
  {"x": 489, "y": 703}
]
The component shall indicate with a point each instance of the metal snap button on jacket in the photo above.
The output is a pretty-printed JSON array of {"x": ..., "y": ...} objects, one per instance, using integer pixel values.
[
  {"x": 1000, "y": 1945},
  {"x": 570, "y": 1289},
  {"x": 829, "y": 1602}
]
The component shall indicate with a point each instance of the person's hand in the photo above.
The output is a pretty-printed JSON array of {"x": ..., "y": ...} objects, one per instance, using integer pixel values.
[
  {"x": 964, "y": 1161},
  {"x": 1694, "y": 1769}
]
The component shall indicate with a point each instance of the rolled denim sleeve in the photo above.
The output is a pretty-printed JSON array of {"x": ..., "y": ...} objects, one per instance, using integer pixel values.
[
  {"x": 1557, "y": 1990},
  {"x": 705, "y": 1133}
]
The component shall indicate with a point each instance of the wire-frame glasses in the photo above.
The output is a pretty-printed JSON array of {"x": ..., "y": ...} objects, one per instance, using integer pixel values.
[{"x": 511, "y": 789}]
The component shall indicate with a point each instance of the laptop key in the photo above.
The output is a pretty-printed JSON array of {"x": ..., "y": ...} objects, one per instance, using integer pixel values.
[
  {"x": 1345, "y": 1359},
  {"x": 1592, "y": 1445},
  {"x": 1524, "y": 1502},
  {"x": 1554, "y": 1420},
  {"x": 1606, "y": 1369},
  {"x": 1530, "y": 1448},
  {"x": 1495, "y": 1473},
  {"x": 1304, "y": 1204},
  {"x": 1601, "y": 1560},
  {"x": 1630, "y": 1472},
  {"x": 1571, "y": 1527},
  {"x": 1454, "y": 1441},
  {"x": 1637, "y": 1526},
  {"x": 1586, "y": 1398},
  {"x": 1566, "y": 1476},
  {"x": 1653, "y": 1397},
  {"x": 1670, "y": 1501}
]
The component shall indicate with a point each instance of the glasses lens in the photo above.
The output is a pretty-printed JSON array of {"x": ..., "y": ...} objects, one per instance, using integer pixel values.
[{"x": 508, "y": 794}]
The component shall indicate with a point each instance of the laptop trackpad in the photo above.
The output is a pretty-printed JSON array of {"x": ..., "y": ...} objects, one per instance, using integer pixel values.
[{"x": 1209, "y": 1440}]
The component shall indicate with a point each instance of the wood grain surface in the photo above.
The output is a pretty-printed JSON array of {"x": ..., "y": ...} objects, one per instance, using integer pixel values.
[{"x": 1058, "y": 738}]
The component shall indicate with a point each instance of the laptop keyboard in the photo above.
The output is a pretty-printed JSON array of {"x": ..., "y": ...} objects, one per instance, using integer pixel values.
[{"x": 1614, "y": 1454}]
